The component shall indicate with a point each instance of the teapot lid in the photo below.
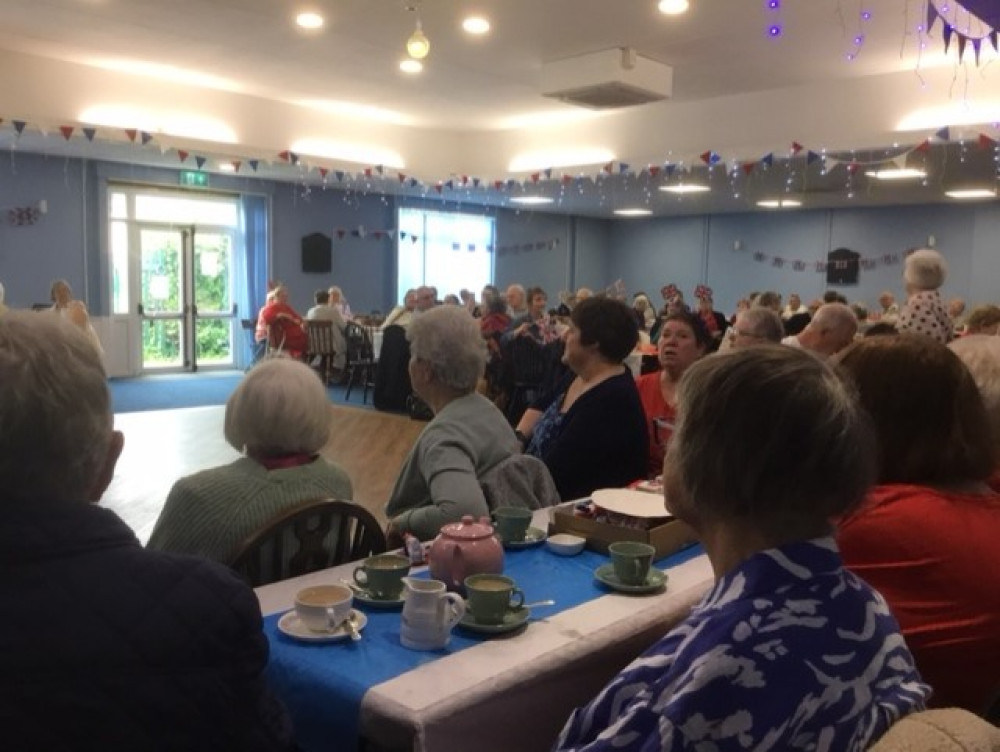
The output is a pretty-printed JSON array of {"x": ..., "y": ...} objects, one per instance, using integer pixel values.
[{"x": 468, "y": 528}]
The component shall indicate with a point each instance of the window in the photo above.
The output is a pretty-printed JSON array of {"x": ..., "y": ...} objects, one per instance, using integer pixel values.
[{"x": 446, "y": 250}]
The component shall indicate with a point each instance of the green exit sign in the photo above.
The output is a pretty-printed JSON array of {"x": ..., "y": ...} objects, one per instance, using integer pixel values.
[{"x": 194, "y": 178}]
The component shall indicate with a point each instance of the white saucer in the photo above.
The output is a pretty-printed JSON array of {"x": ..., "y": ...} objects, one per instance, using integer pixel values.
[
  {"x": 532, "y": 537},
  {"x": 291, "y": 625}
]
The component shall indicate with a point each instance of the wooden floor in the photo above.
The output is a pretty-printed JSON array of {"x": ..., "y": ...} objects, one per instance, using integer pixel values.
[{"x": 162, "y": 446}]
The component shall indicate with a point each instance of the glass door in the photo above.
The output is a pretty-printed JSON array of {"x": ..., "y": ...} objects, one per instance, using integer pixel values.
[
  {"x": 162, "y": 305},
  {"x": 213, "y": 312}
]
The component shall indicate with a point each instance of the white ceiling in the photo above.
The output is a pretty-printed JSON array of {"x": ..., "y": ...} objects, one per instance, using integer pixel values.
[{"x": 477, "y": 105}]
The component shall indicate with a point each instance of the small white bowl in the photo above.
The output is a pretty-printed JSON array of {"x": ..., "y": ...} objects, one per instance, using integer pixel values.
[{"x": 565, "y": 544}]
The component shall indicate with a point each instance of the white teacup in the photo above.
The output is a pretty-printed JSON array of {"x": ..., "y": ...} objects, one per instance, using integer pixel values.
[{"x": 323, "y": 608}]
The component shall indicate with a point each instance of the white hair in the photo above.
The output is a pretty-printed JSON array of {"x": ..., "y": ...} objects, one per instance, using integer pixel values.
[
  {"x": 981, "y": 355},
  {"x": 925, "y": 270},
  {"x": 450, "y": 341},
  {"x": 55, "y": 409},
  {"x": 279, "y": 408}
]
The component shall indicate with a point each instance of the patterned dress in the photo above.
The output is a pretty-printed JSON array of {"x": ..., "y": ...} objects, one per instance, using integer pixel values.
[
  {"x": 788, "y": 651},
  {"x": 924, "y": 313}
]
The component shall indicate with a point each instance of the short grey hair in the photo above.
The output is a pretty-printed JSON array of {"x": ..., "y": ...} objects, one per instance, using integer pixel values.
[
  {"x": 55, "y": 409},
  {"x": 925, "y": 270},
  {"x": 768, "y": 438},
  {"x": 450, "y": 341},
  {"x": 838, "y": 317},
  {"x": 981, "y": 355},
  {"x": 279, "y": 408},
  {"x": 762, "y": 322}
]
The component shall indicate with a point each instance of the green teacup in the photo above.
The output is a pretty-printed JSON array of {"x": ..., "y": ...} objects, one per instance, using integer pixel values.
[
  {"x": 492, "y": 596},
  {"x": 512, "y": 523},
  {"x": 631, "y": 561},
  {"x": 382, "y": 575}
]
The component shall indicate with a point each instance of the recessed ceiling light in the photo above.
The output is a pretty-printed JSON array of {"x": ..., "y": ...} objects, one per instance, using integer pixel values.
[
  {"x": 969, "y": 193},
  {"x": 775, "y": 203},
  {"x": 531, "y": 200},
  {"x": 673, "y": 7},
  {"x": 685, "y": 188},
  {"x": 309, "y": 20},
  {"x": 476, "y": 25},
  {"x": 633, "y": 212},
  {"x": 897, "y": 173},
  {"x": 411, "y": 66}
]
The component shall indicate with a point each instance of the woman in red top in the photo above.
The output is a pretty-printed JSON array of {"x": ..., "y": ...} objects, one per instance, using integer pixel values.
[
  {"x": 927, "y": 536},
  {"x": 287, "y": 330},
  {"x": 683, "y": 340}
]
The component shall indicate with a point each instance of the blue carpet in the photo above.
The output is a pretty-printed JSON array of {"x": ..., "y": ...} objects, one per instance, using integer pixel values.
[{"x": 170, "y": 391}]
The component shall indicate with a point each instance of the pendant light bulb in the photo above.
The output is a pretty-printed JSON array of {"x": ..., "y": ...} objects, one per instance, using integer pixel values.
[{"x": 417, "y": 46}]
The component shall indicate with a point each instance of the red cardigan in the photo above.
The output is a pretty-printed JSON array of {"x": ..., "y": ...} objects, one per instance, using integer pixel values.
[{"x": 935, "y": 556}]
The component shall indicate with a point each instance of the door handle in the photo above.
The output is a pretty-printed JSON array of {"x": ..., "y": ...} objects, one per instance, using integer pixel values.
[
  {"x": 194, "y": 310},
  {"x": 139, "y": 309}
]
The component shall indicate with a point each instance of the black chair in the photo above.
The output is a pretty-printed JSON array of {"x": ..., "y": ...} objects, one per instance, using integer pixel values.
[
  {"x": 359, "y": 365},
  {"x": 257, "y": 349},
  {"x": 314, "y": 535},
  {"x": 528, "y": 363},
  {"x": 392, "y": 375},
  {"x": 322, "y": 346}
]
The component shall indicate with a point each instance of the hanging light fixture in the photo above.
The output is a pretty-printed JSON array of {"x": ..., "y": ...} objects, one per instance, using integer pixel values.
[{"x": 417, "y": 46}]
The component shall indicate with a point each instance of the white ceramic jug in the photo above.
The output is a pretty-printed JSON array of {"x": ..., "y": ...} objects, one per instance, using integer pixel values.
[{"x": 429, "y": 613}]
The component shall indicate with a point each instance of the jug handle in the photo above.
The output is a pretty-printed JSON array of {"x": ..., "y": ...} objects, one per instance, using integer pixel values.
[{"x": 457, "y": 608}]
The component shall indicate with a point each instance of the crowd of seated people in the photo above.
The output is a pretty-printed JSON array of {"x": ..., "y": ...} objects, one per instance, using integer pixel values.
[{"x": 743, "y": 438}]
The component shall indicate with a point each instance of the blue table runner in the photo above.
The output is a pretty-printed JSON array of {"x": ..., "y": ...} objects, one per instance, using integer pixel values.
[{"x": 323, "y": 684}]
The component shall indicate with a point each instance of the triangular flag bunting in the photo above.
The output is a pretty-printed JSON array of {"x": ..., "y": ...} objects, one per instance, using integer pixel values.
[
  {"x": 944, "y": 133},
  {"x": 131, "y": 133},
  {"x": 608, "y": 167},
  {"x": 706, "y": 157},
  {"x": 548, "y": 173},
  {"x": 414, "y": 182},
  {"x": 796, "y": 147},
  {"x": 146, "y": 137},
  {"x": 567, "y": 179},
  {"x": 811, "y": 157},
  {"x": 853, "y": 167},
  {"x": 66, "y": 130},
  {"x": 768, "y": 159},
  {"x": 89, "y": 133},
  {"x": 402, "y": 177},
  {"x": 923, "y": 146},
  {"x": 339, "y": 174},
  {"x": 19, "y": 126},
  {"x": 284, "y": 155},
  {"x": 439, "y": 187},
  {"x": 535, "y": 176},
  {"x": 182, "y": 155},
  {"x": 236, "y": 165},
  {"x": 985, "y": 142},
  {"x": 323, "y": 172},
  {"x": 368, "y": 172},
  {"x": 498, "y": 184},
  {"x": 379, "y": 169},
  {"x": 254, "y": 164},
  {"x": 748, "y": 167},
  {"x": 622, "y": 168},
  {"x": 654, "y": 170},
  {"x": 341, "y": 232},
  {"x": 200, "y": 161},
  {"x": 450, "y": 185},
  {"x": 475, "y": 182}
]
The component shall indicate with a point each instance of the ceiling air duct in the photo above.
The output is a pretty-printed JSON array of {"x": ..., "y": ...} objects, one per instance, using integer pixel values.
[{"x": 608, "y": 79}]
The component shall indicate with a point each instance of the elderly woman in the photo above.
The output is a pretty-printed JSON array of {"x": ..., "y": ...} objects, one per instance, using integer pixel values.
[
  {"x": 683, "y": 340},
  {"x": 788, "y": 650},
  {"x": 74, "y": 311},
  {"x": 286, "y": 327},
  {"x": 925, "y": 312},
  {"x": 929, "y": 529},
  {"x": 591, "y": 430},
  {"x": 279, "y": 417},
  {"x": 439, "y": 480}
]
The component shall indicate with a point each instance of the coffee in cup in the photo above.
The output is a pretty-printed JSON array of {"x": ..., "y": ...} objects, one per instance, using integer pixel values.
[
  {"x": 631, "y": 561},
  {"x": 323, "y": 608},
  {"x": 492, "y": 596},
  {"x": 382, "y": 575},
  {"x": 512, "y": 523}
]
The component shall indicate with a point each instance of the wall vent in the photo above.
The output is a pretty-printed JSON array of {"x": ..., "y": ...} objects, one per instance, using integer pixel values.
[{"x": 607, "y": 80}]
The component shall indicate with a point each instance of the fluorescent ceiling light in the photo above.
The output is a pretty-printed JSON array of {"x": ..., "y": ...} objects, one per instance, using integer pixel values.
[
  {"x": 181, "y": 124},
  {"x": 348, "y": 152},
  {"x": 966, "y": 112},
  {"x": 411, "y": 66},
  {"x": 897, "y": 173},
  {"x": 774, "y": 203},
  {"x": 633, "y": 212},
  {"x": 476, "y": 25},
  {"x": 168, "y": 73},
  {"x": 969, "y": 193},
  {"x": 309, "y": 20},
  {"x": 685, "y": 188},
  {"x": 543, "y": 160},
  {"x": 358, "y": 111},
  {"x": 673, "y": 7},
  {"x": 531, "y": 200}
]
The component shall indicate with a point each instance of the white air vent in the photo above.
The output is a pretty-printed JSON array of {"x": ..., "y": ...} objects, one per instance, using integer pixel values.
[{"x": 607, "y": 79}]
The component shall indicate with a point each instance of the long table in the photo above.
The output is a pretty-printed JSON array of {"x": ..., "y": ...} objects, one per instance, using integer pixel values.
[{"x": 504, "y": 692}]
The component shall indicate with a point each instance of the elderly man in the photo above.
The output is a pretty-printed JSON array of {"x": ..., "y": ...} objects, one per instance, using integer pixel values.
[
  {"x": 888, "y": 310},
  {"x": 757, "y": 326},
  {"x": 517, "y": 304},
  {"x": 426, "y": 299},
  {"x": 324, "y": 311},
  {"x": 830, "y": 331},
  {"x": 105, "y": 645}
]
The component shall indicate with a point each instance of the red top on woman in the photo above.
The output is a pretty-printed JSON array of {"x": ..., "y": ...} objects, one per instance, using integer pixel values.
[
  {"x": 289, "y": 335},
  {"x": 660, "y": 419}
]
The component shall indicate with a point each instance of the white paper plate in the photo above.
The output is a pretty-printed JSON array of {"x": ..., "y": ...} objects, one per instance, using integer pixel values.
[{"x": 632, "y": 503}]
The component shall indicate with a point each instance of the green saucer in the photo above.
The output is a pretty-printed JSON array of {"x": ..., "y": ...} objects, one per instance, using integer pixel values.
[
  {"x": 532, "y": 537},
  {"x": 512, "y": 620},
  {"x": 655, "y": 580},
  {"x": 367, "y": 599}
]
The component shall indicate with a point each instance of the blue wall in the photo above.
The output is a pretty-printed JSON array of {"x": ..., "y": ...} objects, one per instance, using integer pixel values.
[{"x": 554, "y": 251}]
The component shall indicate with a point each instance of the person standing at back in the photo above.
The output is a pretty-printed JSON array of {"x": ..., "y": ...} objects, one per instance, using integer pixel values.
[{"x": 103, "y": 644}]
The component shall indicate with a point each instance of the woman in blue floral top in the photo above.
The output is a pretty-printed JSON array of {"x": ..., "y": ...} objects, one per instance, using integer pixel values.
[{"x": 788, "y": 650}]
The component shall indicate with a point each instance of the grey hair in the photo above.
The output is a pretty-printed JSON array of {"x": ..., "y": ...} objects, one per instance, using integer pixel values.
[
  {"x": 764, "y": 323},
  {"x": 2, "y": 293},
  {"x": 279, "y": 408},
  {"x": 450, "y": 341},
  {"x": 770, "y": 439},
  {"x": 55, "y": 409},
  {"x": 836, "y": 316},
  {"x": 981, "y": 355},
  {"x": 925, "y": 270}
]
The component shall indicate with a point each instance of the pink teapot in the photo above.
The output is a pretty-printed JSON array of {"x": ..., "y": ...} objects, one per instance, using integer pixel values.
[{"x": 463, "y": 549}]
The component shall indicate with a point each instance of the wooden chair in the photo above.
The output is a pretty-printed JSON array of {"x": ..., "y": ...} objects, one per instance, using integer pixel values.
[
  {"x": 257, "y": 349},
  {"x": 275, "y": 340},
  {"x": 322, "y": 346},
  {"x": 314, "y": 535},
  {"x": 360, "y": 362}
]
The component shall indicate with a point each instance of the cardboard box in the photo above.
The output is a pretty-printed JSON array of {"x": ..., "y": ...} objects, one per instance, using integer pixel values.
[{"x": 667, "y": 538}]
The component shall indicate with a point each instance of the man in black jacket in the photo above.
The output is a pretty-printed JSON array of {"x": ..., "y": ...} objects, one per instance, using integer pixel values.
[{"x": 103, "y": 644}]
